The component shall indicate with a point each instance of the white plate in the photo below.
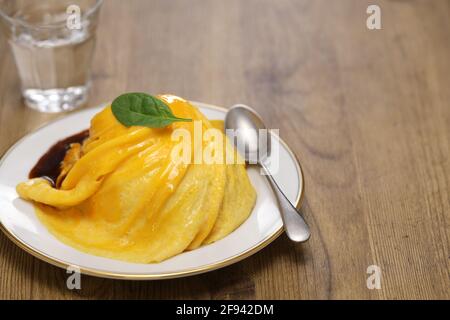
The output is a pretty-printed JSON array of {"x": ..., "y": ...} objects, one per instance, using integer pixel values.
[{"x": 21, "y": 225}]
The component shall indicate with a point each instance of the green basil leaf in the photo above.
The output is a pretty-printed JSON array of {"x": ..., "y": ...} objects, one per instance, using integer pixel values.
[{"x": 141, "y": 109}]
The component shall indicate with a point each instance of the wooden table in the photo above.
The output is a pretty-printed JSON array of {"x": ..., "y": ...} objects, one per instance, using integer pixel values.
[{"x": 366, "y": 111}]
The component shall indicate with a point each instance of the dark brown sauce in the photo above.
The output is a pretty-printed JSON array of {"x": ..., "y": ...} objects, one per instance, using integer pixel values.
[{"x": 48, "y": 166}]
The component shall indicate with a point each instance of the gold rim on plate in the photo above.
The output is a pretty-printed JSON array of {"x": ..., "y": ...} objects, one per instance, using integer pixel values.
[{"x": 123, "y": 276}]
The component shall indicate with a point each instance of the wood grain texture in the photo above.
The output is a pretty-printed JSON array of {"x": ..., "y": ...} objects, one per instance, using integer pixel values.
[{"x": 367, "y": 113}]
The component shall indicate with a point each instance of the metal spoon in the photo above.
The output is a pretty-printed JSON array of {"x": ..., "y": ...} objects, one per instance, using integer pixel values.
[{"x": 244, "y": 123}]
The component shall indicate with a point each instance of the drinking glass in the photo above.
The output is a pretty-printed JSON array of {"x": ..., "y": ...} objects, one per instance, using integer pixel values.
[{"x": 53, "y": 43}]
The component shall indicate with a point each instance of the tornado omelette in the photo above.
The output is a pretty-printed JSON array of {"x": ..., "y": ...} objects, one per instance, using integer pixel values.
[{"x": 121, "y": 195}]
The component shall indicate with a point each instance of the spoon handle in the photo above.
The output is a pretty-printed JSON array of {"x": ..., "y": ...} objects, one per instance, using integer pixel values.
[{"x": 294, "y": 224}]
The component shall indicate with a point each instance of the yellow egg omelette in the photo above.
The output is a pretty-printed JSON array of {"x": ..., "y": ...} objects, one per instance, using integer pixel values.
[{"x": 121, "y": 195}]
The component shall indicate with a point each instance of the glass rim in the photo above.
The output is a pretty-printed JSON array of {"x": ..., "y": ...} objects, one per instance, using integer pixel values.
[{"x": 93, "y": 9}]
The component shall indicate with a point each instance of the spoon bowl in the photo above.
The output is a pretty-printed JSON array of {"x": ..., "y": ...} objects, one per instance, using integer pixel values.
[{"x": 244, "y": 124}]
